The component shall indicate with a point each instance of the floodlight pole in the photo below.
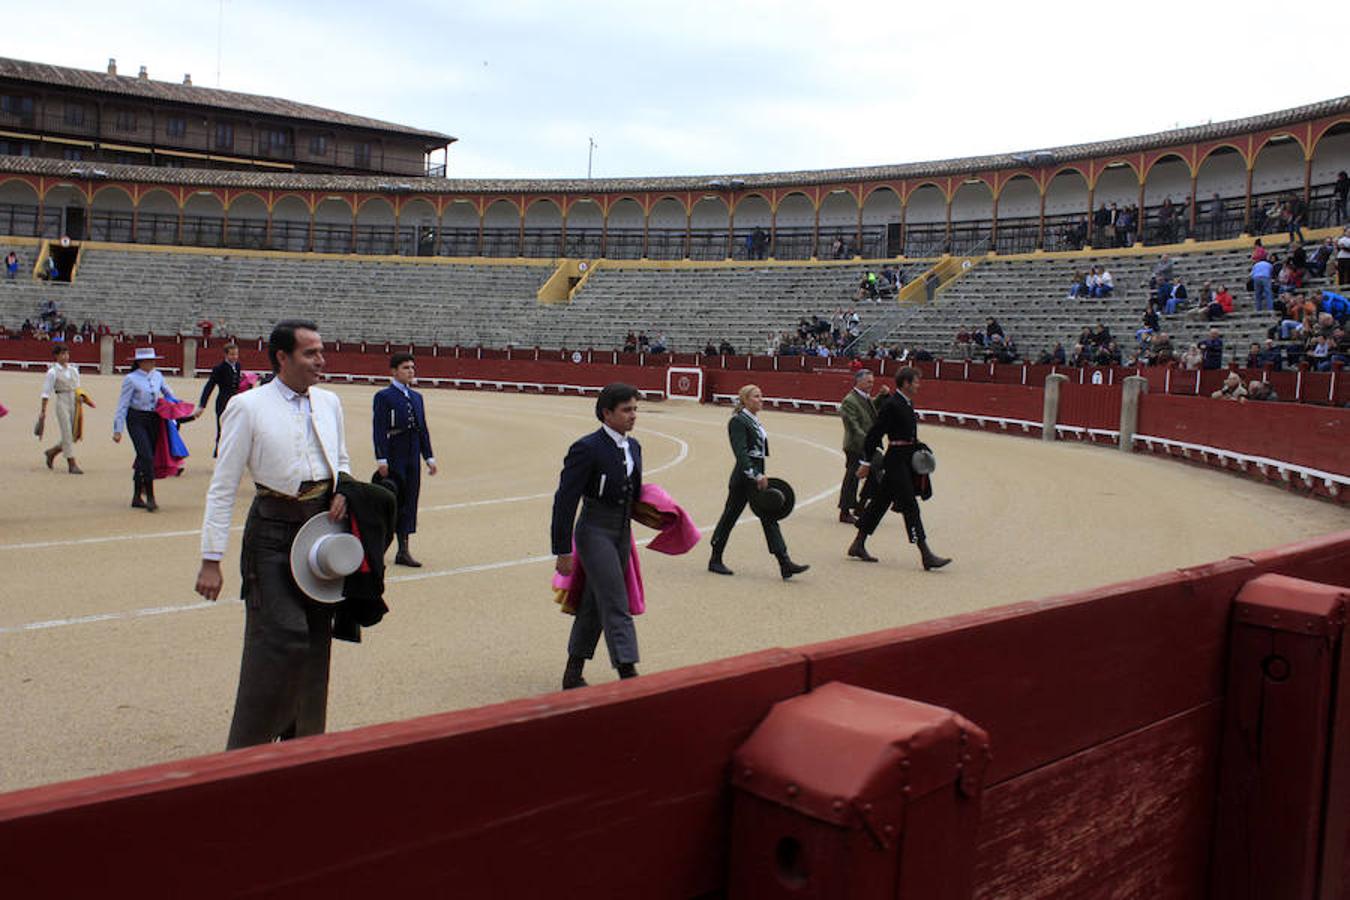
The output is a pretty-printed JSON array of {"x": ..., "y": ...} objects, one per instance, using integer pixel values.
[{"x": 590, "y": 153}]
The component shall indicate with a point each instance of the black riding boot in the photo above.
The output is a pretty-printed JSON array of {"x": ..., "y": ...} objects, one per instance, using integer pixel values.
[
  {"x": 403, "y": 557},
  {"x": 572, "y": 674},
  {"x": 150, "y": 504},
  {"x": 787, "y": 568},
  {"x": 136, "y": 491},
  {"x": 716, "y": 565},
  {"x": 930, "y": 559}
]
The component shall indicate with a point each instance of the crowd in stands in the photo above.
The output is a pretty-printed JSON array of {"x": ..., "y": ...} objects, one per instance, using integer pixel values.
[
  {"x": 991, "y": 343},
  {"x": 641, "y": 343},
  {"x": 817, "y": 336},
  {"x": 1097, "y": 281},
  {"x": 50, "y": 324}
]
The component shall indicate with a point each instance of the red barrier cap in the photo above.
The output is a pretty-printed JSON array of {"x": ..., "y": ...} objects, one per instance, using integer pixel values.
[
  {"x": 839, "y": 751},
  {"x": 1292, "y": 604}
]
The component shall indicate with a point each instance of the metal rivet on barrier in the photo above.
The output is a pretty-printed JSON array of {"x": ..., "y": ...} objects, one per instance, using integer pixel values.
[{"x": 792, "y": 790}]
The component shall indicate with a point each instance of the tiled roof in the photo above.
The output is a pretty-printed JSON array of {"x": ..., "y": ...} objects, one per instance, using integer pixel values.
[
  {"x": 170, "y": 92},
  {"x": 394, "y": 184}
]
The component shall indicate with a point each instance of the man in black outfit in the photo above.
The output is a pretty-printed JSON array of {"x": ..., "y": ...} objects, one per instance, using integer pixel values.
[
  {"x": 898, "y": 422},
  {"x": 225, "y": 376},
  {"x": 603, "y": 472}
]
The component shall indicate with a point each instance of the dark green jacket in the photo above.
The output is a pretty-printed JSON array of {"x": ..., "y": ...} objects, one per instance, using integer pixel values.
[
  {"x": 749, "y": 448},
  {"x": 859, "y": 415}
]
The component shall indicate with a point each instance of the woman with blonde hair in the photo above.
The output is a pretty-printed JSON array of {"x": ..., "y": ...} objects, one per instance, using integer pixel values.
[{"x": 750, "y": 446}]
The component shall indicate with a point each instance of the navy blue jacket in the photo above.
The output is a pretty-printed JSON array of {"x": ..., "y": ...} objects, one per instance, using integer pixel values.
[
  {"x": 400, "y": 426},
  {"x": 594, "y": 467}
]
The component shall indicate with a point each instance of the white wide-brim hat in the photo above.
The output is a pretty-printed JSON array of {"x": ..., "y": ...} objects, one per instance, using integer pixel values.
[
  {"x": 323, "y": 554},
  {"x": 145, "y": 353}
]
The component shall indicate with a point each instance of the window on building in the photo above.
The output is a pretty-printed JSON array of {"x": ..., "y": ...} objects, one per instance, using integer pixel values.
[
  {"x": 74, "y": 114},
  {"x": 125, "y": 120},
  {"x": 224, "y": 136},
  {"x": 175, "y": 126},
  {"x": 17, "y": 105},
  {"x": 15, "y": 148},
  {"x": 169, "y": 162},
  {"x": 74, "y": 153},
  {"x": 318, "y": 145},
  {"x": 361, "y": 154},
  {"x": 274, "y": 140}
]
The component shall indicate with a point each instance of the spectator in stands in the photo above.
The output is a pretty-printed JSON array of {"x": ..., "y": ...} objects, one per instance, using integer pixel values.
[
  {"x": 1341, "y": 191},
  {"x": 1260, "y": 279},
  {"x": 1150, "y": 325},
  {"x": 1290, "y": 278},
  {"x": 992, "y": 327},
  {"x": 1321, "y": 257},
  {"x": 1177, "y": 295},
  {"x": 709, "y": 349},
  {"x": 1215, "y": 213},
  {"x": 1162, "y": 273},
  {"x": 1106, "y": 285},
  {"x": 1078, "y": 287},
  {"x": 1259, "y": 251},
  {"x": 1271, "y": 356},
  {"x": 1319, "y": 356},
  {"x": 1335, "y": 305},
  {"x": 1292, "y": 213},
  {"x": 1261, "y": 391},
  {"x": 643, "y": 342},
  {"x": 1108, "y": 354},
  {"x": 659, "y": 345},
  {"x": 1232, "y": 388},
  {"x": 1343, "y": 258},
  {"x": 1254, "y": 356},
  {"x": 1057, "y": 355},
  {"x": 1298, "y": 258},
  {"x": 630, "y": 343},
  {"x": 837, "y": 248},
  {"x": 1100, "y": 220},
  {"x": 725, "y": 348},
  {"x": 759, "y": 243},
  {"x": 1079, "y": 357},
  {"x": 1160, "y": 349},
  {"x": 1220, "y": 306},
  {"x": 1126, "y": 224},
  {"x": 1193, "y": 357},
  {"x": 1212, "y": 348},
  {"x": 11, "y": 265}
]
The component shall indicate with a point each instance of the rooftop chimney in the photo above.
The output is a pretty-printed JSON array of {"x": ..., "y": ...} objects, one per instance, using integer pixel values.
[
  {"x": 143, "y": 75},
  {"x": 187, "y": 79},
  {"x": 112, "y": 66}
]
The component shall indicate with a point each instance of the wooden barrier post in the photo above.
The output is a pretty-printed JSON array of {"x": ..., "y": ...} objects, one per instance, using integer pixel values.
[
  {"x": 105, "y": 355},
  {"x": 1131, "y": 388},
  {"x": 189, "y": 357},
  {"x": 1280, "y": 710},
  {"x": 1050, "y": 414}
]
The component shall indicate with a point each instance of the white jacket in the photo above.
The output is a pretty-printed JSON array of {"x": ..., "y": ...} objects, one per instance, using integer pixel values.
[{"x": 264, "y": 431}]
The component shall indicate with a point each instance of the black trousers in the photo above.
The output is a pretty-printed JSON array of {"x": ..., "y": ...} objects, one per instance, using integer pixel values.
[
  {"x": 604, "y": 541},
  {"x": 848, "y": 491},
  {"x": 738, "y": 495},
  {"x": 143, "y": 429},
  {"x": 896, "y": 488},
  {"x": 283, "y": 676}
]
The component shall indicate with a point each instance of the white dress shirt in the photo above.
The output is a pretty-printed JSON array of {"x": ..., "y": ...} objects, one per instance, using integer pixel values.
[
  {"x": 622, "y": 441},
  {"x": 67, "y": 376},
  {"x": 282, "y": 438}
]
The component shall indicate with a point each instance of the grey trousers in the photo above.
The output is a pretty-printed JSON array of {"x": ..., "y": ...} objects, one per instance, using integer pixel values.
[
  {"x": 603, "y": 539},
  {"x": 283, "y": 676}
]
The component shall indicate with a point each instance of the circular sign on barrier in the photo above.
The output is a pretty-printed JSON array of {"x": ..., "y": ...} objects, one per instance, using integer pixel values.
[
  {"x": 685, "y": 384},
  {"x": 576, "y": 356},
  {"x": 65, "y": 241},
  {"x": 582, "y": 267}
]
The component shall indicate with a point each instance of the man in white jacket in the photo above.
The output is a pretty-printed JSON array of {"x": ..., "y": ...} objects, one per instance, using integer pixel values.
[{"x": 289, "y": 435}]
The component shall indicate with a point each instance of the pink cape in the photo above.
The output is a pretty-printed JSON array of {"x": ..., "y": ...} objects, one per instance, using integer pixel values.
[
  {"x": 168, "y": 462},
  {"x": 678, "y": 535}
]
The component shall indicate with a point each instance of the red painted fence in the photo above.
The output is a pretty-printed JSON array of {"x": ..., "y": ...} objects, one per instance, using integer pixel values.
[{"x": 1110, "y": 712}]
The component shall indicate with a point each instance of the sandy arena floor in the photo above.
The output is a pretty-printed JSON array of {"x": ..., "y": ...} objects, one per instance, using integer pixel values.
[{"x": 108, "y": 660}]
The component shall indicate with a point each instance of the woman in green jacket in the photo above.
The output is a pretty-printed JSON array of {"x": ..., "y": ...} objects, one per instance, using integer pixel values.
[{"x": 750, "y": 445}]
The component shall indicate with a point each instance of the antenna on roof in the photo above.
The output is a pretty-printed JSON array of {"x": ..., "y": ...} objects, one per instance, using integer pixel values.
[
  {"x": 590, "y": 152},
  {"x": 220, "y": 31}
]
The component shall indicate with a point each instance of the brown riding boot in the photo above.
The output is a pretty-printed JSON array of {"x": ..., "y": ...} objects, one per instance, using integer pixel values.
[
  {"x": 72, "y": 467},
  {"x": 150, "y": 504},
  {"x": 51, "y": 453}
]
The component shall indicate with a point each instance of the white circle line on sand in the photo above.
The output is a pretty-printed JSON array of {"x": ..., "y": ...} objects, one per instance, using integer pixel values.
[
  {"x": 395, "y": 579},
  {"x": 680, "y": 456}
]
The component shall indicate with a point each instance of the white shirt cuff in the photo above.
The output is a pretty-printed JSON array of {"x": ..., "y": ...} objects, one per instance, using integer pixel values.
[
  {"x": 381, "y": 462},
  {"x": 213, "y": 557},
  {"x": 431, "y": 460}
]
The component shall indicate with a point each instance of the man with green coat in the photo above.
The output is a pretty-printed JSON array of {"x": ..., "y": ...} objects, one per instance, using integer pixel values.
[{"x": 859, "y": 413}]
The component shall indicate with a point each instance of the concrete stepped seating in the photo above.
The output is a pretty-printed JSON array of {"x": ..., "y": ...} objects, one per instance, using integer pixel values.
[{"x": 1028, "y": 297}]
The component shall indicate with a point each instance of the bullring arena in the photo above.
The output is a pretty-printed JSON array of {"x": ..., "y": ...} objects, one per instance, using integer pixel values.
[
  {"x": 1132, "y": 681},
  {"x": 118, "y": 664}
]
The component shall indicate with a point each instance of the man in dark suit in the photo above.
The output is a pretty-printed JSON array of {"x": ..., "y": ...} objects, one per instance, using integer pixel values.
[
  {"x": 224, "y": 376},
  {"x": 899, "y": 424},
  {"x": 603, "y": 472},
  {"x": 399, "y": 423}
]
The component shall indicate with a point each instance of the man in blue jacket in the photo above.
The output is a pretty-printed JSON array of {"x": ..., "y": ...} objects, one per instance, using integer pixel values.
[{"x": 401, "y": 443}]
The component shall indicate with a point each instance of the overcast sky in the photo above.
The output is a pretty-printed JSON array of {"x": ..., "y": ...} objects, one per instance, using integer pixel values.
[{"x": 716, "y": 88}]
